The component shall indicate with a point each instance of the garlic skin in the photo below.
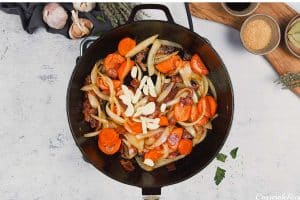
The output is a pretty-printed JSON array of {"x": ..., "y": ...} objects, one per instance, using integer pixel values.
[
  {"x": 55, "y": 15},
  {"x": 84, "y": 6},
  {"x": 80, "y": 27}
]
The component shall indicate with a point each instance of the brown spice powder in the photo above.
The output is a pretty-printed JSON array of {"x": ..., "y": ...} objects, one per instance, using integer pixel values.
[{"x": 257, "y": 34}]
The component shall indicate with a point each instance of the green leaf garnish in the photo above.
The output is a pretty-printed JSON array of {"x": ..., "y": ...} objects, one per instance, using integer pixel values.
[
  {"x": 221, "y": 157},
  {"x": 100, "y": 18},
  {"x": 220, "y": 175},
  {"x": 233, "y": 152}
]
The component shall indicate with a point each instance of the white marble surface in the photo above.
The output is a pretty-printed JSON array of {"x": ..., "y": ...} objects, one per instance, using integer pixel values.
[{"x": 39, "y": 159}]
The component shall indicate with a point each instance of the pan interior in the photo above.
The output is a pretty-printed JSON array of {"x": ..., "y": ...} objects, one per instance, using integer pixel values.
[{"x": 201, "y": 155}]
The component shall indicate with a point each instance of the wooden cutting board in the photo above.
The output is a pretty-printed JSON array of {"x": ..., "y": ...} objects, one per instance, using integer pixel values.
[{"x": 281, "y": 60}]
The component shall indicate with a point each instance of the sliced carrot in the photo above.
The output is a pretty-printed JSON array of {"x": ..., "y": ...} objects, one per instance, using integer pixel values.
[
  {"x": 101, "y": 84},
  {"x": 136, "y": 127},
  {"x": 185, "y": 146},
  {"x": 174, "y": 138},
  {"x": 198, "y": 66},
  {"x": 203, "y": 107},
  {"x": 154, "y": 154},
  {"x": 168, "y": 65},
  {"x": 203, "y": 121},
  {"x": 125, "y": 69},
  {"x": 194, "y": 113},
  {"x": 125, "y": 45},
  {"x": 163, "y": 121},
  {"x": 117, "y": 83},
  {"x": 113, "y": 60},
  {"x": 182, "y": 112},
  {"x": 212, "y": 105},
  {"x": 109, "y": 141}
]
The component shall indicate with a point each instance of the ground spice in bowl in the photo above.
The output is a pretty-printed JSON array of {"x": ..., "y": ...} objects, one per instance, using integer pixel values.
[
  {"x": 260, "y": 34},
  {"x": 257, "y": 34}
]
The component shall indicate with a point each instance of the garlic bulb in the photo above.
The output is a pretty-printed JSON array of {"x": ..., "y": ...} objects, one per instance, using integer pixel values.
[
  {"x": 80, "y": 27},
  {"x": 84, "y": 6},
  {"x": 55, "y": 15}
]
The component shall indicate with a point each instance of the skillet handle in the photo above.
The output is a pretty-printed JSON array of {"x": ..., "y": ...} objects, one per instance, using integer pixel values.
[
  {"x": 161, "y": 7},
  {"x": 151, "y": 193}
]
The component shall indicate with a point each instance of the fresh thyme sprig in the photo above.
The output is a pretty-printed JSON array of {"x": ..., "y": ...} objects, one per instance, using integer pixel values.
[{"x": 289, "y": 80}]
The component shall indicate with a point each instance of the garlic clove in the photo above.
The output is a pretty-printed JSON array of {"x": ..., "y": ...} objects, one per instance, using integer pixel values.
[
  {"x": 84, "y": 6},
  {"x": 80, "y": 27}
]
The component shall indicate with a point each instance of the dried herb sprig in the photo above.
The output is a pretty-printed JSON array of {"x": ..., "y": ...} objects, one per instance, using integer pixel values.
[
  {"x": 118, "y": 13},
  {"x": 289, "y": 80}
]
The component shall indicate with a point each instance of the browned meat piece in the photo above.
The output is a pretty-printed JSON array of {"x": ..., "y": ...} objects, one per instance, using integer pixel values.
[
  {"x": 186, "y": 135},
  {"x": 87, "y": 80},
  {"x": 141, "y": 57},
  {"x": 173, "y": 154},
  {"x": 176, "y": 79},
  {"x": 195, "y": 85},
  {"x": 172, "y": 121},
  {"x": 171, "y": 167},
  {"x": 186, "y": 56},
  {"x": 87, "y": 111},
  {"x": 152, "y": 98},
  {"x": 172, "y": 94},
  {"x": 135, "y": 83},
  {"x": 127, "y": 165},
  {"x": 165, "y": 50},
  {"x": 112, "y": 73},
  {"x": 186, "y": 101}
]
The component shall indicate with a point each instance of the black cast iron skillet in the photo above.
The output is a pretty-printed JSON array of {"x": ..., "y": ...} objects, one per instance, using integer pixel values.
[{"x": 202, "y": 154}]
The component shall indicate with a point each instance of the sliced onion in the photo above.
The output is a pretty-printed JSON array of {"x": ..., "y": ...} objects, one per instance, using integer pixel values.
[
  {"x": 94, "y": 72},
  {"x": 191, "y": 130},
  {"x": 150, "y": 59},
  {"x": 164, "y": 57},
  {"x": 139, "y": 72},
  {"x": 205, "y": 86},
  {"x": 100, "y": 94},
  {"x": 142, "y": 45},
  {"x": 137, "y": 143},
  {"x": 87, "y": 87},
  {"x": 212, "y": 88},
  {"x": 92, "y": 134},
  {"x": 113, "y": 116},
  {"x": 93, "y": 100},
  {"x": 208, "y": 125},
  {"x": 139, "y": 161},
  {"x": 170, "y": 43},
  {"x": 185, "y": 73},
  {"x": 200, "y": 136},
  {"x": 165, "y": 93},
  {"x": 165, "y": 150},
  {"x": 99, "y": 119},
  {"x": 158, "y": 83},
  {"x": 149, "y": 133},
  {"x": 162, "y": 162},
  {"x": 163, "y": 138}
]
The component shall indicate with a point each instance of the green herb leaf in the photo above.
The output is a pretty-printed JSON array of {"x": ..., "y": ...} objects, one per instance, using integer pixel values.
[
  {"x": 233, "y": 152},
  {"x": 219, "y": 176},
  {"x": 100, "y": 18},
  {"x": 221, "y": 157}
]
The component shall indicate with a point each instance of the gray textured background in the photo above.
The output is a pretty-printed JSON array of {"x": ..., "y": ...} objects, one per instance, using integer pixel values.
[{"x": 39, "y": 159}]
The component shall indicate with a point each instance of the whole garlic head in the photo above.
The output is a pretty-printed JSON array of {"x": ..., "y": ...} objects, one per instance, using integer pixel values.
[
  {"x": 80, "y": 27},
  {"x": 84, "y": 6},
  {"x": 55, "y": 16}
]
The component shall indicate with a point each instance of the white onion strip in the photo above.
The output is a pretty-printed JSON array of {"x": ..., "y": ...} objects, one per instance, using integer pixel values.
[
  {"x": 164, "y": 57},
  {"x": 170, "y": 43},
  {"x": 113, "y": 116},
  {"x": 142, "y": 45},
  {"x": 212, "y": 88},
  {"x": 165, "y": 93},
  {"x": 149, "y": 133},
  {"x": 91, "y": 134},
  {"x": 151, "y": 55},
  {"x": 162, "y": 138},
  {"x": 100, "y": 94}
]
